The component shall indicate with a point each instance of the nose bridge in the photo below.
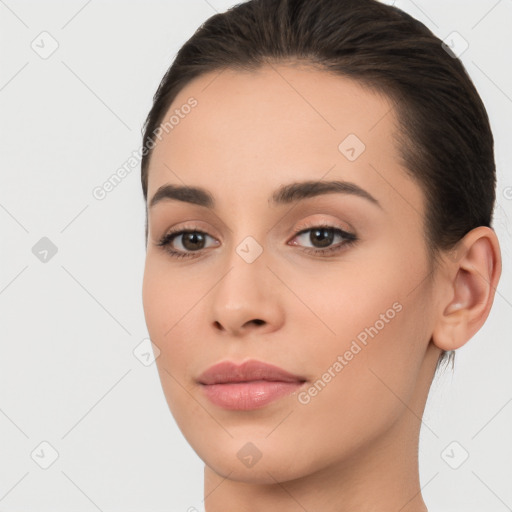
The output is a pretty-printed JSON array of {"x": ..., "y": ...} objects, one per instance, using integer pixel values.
[
  {"x": 247, "y": 241},
  {"x": 246, "y": 268}
]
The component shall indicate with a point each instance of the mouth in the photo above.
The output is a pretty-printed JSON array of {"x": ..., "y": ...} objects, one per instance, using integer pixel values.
[{"x": 251, "y": 385}]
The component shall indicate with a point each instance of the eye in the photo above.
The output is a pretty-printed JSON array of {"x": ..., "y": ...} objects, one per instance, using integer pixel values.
[
  {"x": 322, "y": 237},
  {"x": 188, "y": 241}
]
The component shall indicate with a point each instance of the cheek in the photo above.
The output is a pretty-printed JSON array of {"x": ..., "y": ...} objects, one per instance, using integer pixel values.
[
  {"x": 155, "y": 299},
  {"x": 168, "y": 303},
  {"x": 174, "y": 303},
  {"x": 166, "y": 299},
  {"x": 377, "y": 335}
]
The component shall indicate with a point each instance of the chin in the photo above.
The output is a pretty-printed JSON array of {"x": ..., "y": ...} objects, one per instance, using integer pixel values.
[
  {"x": 251, "y": 458},
  {"x": 267, "y": 470}
]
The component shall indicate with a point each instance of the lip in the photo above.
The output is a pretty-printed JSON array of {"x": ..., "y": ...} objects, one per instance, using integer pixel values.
[{"x": 250, "y": 385}]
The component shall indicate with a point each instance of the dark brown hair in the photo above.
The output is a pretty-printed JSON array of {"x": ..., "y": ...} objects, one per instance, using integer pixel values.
[{"x": 444, "y": 138}]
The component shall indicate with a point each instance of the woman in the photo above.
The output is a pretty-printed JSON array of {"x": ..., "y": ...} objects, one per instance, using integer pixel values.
[{"x": 320, "y": 181}]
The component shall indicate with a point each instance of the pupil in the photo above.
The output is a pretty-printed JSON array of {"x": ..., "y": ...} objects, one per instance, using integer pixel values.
[
  {"x": 325, "y": 239},
  {"x": 194, "y": 238}
]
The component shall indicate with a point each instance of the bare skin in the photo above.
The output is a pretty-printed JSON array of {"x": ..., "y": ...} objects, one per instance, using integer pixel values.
[{"x": 352, "y": 446}]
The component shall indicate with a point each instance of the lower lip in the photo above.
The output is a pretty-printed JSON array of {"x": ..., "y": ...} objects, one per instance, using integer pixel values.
[{"x": 244, "y": 396}]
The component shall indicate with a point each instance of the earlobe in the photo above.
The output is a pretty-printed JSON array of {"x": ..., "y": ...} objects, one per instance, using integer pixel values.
[
  {"x": 451, "y": 331},
  {"x": 470, "y": 285}
]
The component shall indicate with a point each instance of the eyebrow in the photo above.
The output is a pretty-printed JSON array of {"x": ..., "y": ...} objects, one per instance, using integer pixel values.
[{"x": 285, "y": 194}]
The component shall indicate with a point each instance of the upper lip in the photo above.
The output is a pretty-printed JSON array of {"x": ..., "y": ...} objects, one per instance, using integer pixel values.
[{"x": 227, "y": 371}]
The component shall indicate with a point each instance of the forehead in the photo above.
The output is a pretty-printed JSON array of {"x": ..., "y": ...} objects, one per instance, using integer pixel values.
[{"x": 281, "y": 123}]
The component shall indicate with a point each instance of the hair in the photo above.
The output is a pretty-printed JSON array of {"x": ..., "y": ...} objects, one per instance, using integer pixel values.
[{"x": 443, "y": 137}]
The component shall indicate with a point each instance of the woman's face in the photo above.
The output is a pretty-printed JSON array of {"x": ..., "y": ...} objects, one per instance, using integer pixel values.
[{"x": 331, "y": 287}]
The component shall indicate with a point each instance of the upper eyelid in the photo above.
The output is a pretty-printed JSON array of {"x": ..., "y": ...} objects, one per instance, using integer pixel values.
[{"x": 300, "y": 229}]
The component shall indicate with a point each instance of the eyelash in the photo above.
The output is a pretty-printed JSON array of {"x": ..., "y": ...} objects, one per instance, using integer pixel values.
[{"x": 350, "y": 239}]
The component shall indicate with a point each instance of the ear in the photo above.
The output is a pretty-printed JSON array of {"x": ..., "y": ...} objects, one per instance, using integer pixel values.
[{"x": 471, "y": 275}]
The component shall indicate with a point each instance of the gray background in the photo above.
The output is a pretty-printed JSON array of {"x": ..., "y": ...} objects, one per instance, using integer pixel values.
[{"x": 69, "y": 325}]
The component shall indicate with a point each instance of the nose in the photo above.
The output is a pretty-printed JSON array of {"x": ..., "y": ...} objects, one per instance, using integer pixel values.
[{"x": 246, "y": 299}]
